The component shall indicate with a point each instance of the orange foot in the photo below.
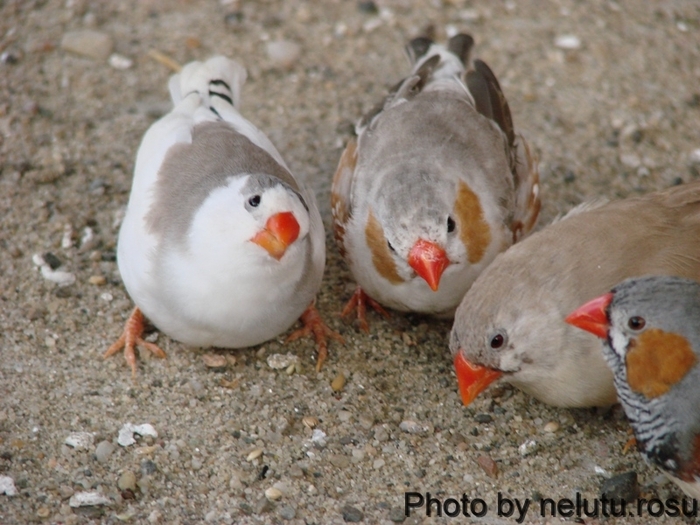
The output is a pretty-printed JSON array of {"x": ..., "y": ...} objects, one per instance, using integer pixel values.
[
  {"x": 631, "y": 443},
  {"x": 314, "y": 325},
  {"x": 131, "y": 336},
  {"x": 359, "y": 301}
]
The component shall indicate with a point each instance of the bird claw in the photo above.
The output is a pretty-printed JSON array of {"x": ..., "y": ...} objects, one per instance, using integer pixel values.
[
  {"x": 314, "y": 326},
  {"x": 130, "y": 338},
  {"x": 359, "y": 302}
]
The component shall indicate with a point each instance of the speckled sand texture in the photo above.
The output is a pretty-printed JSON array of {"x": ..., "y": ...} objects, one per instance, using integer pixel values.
[{"x": 606, "y": 91}]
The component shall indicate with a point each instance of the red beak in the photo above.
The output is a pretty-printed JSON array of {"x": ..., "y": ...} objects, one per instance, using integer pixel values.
[
  {"x": 429, "y": 261},
  {"x": 281, "y": 230},
  {"x": 592, "y": 316},
  {"x": 472, "y": 379}
]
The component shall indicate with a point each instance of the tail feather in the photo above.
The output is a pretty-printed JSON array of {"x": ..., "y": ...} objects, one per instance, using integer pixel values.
[{"x": 217, "y": 77}]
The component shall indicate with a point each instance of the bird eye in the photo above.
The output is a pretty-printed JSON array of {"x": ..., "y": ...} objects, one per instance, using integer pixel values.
[
  {"x": 254, "y": 201},
  {"x": 636, "y": 323},
  {"x": 390, "y": 246},
  {"x": 450, "y": 225},
  {"x": 497, "y": 341}
]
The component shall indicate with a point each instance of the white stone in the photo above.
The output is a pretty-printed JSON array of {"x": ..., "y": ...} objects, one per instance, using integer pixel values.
[
  {"x": 88, "y": 499},
  {"x": 80, "y": 440},
  {"x": 280, "y": 361},
  {"x": 7, "y": 486},
  {"x": 118, "y": 61},
  {"x": 567, "y": 42},
  {"x": 126, "y": 434}
]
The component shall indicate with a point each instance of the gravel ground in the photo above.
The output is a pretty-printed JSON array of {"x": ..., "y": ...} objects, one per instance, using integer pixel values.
[{"x": 612, "y": 110}]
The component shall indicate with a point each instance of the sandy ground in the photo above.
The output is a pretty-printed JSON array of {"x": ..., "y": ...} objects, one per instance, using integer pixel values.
[{"x": 616, "y": 115}]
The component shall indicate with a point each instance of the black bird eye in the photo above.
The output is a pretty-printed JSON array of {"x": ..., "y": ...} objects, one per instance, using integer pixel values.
[
  {"x": 450, "y": 225},
  {"x": 254, "y": 201},
  {"x": 390, "y": 246},
  {"x": 636, "y": 323},
  {"x": 497, "y": 341}
]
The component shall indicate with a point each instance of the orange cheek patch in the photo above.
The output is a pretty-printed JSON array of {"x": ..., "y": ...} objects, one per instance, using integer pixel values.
[
  {"x": 473, "y": 228},
  {"x": 656, "y": 361},
  {"x": 381, "y": 256}
]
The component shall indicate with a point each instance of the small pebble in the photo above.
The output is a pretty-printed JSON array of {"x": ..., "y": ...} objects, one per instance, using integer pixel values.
[
  {"x": 80, "y": 440},
  {"x": 57, "y": 276},
  {"x": 92, "y": 44},
  {"x": 623, "y": 486},
  {"x": 551, "y": 427},
  {"x": 103, "y": 451},
  {"x": 97, "y": 280},
  {"x": 483, "y": 418},
  {"x": 695, "y": 156},
  {"x": 287, "y": 512},
  {"x": 88, "y": 499},
  {"x": 53, "y": 261},
  {"x": 411, "y": 427},
  {"x": 280, "y": 361},
  {"x": 352, "y": 514},
  {"x": 527, "y": 448},
  {"x": 215, "y": 361},
  {"x": 254, "y": 454},
  {"x": 567, "y": 42},
  {"x": 310, "y": 422},
  {"x": 43, "y": 512},
  {"x": 126, "y": 433},
  {"x": 120, "y": 61},
  {"x": 318, "y": 438},
  {"x": 148, "y": 467},
  {"x": 273, "y": 493},
  {"x": 127, "y": 481},
  {"x": 368, "y": 7},
  {"x": 7, "y": 486},
  {"x": 338, "y": 383},
  {"x": 283, "y": 53},
  {"x": 488, "y": 465}
]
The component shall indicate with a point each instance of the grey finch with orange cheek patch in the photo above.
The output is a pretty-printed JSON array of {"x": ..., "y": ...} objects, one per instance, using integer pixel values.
[{"x": 435, "y": 185}]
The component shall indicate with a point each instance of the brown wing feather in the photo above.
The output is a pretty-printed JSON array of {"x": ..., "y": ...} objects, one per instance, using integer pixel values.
[
  {"x": 527, "y": 190},
  {"x": 341, "y": 192}
]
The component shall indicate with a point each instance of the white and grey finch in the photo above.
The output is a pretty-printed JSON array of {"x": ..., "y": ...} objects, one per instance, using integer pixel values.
[
  {"x": 220, "y": 245},
  {"x": 435, "y": 185},
  {"x": 511, "y": 322},
  {"x": 651, "y": 341}
]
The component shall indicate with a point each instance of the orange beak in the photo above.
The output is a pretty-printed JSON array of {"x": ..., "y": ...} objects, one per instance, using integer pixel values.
[
  {"x": 592, "y": 316},
  {"x": 472, "y": 379},
  {"x": 281, "y": 230},
  {"x": 429, "y": 261}
]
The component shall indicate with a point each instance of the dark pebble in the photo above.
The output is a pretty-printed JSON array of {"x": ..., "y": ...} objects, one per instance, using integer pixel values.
[
  {"x": 148, "y": 468},
  {"x": 483, "y": 418},
  {"x": 63, "y": 292},
  {"x": 623, "y": 486},
  {"x": 569, "y": 176},
  {"x": 246, "y": 509},
  {"x": 53, "y": 261},
  {"x": 347, "y": 440},
  {"x": 352, "y": 514},
  {"x": 234, "y": 19},
  {"x": 368, "y": 7},
  {"x": 397, "y": 515},
  {"x": 109, "y": 256}
]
